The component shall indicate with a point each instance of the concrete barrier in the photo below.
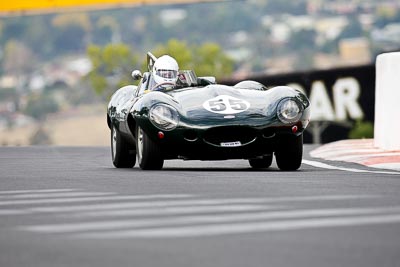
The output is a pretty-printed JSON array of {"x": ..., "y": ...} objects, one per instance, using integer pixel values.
[{"x": 387, "y": 102}]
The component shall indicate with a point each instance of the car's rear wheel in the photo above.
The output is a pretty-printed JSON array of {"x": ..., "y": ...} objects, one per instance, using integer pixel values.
[
  {"x": 123, "y": 154},
  {"x": 149, "y": 154},
  {"x": 290, "y": 153},
  {"x": 260, "y": 163}
]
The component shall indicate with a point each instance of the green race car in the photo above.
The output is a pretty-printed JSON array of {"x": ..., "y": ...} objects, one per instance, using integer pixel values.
[{"x": 199, "y": 119}]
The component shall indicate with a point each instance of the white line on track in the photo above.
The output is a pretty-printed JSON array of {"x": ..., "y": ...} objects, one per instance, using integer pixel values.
[
  {"x": 172, "y": 210},
  {"x": 253, "y": 227},
  {"x": 7, "y": 192},
  {"x": 234, "y": 218},
  {"x": 132, "y": 202},
  {"x": 13, "y": 212},
  {"x": 192, "y": 202},
  {"x": 149, "y": 204},
  {"x": 55, "y": 195},
  {"x": 87, "y": 199},
  {"x": 331, "y": 167}
]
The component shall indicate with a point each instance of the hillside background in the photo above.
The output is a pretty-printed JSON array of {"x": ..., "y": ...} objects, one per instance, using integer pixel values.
[{"x": 48, "y": 94}]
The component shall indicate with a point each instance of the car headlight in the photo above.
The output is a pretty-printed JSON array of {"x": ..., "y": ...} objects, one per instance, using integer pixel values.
[
  {"x": 289, "y": 111},
  {"x": 164, "y": 117}
]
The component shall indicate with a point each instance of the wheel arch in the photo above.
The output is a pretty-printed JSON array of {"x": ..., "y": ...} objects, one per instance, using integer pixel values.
[
  {"x": 132, "y": 124},
  {"x": 109, "y": 122}
]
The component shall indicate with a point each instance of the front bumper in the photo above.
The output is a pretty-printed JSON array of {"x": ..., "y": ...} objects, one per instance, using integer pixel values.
[{"x": 221, "y": 142}]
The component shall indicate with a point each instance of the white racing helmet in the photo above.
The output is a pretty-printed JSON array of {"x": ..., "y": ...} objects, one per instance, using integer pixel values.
[{"x": 165, "y": 70}]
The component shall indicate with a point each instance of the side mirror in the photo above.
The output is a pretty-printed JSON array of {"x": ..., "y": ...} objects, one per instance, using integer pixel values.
[{"x": 137, "y": 75}]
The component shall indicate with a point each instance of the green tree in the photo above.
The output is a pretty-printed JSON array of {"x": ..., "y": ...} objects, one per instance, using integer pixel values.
[
  {"x": 41, "y": 105},
  {"x": 107, "y": 30},
  {"x": 1, "y": 29},
  {"x": 362, "y": 129},
  {"x": 209, "y": 59},
  {"x": 302, "y": 39},
  {"x": 73, "y": 31},
  {"x": 386, "y": 15},
  {"x": 40, "y": 137},
  {"x": 113, "y": 63},
  {"x": 18, "y": 58},
  {"x": 206, "y": 60},
  {"x": 112, "y": 67},
  {"x": 352, "y": 30},
  {"x": 179, "y": 50}
]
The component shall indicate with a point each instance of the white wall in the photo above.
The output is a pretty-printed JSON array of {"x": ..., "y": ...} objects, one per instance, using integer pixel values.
[{"x": 387, "y": 101}]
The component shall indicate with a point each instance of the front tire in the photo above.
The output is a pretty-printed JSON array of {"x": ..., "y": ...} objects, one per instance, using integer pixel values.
[
  {"x": 290, "y": 153},
  {"x": 149, "y": 154},
  {"x": 261, "y": 163},
  {"x": 123, "y": 154}
]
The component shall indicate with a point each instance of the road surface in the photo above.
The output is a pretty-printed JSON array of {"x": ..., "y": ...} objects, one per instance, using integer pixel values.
[{"x": 68, "y": 206}]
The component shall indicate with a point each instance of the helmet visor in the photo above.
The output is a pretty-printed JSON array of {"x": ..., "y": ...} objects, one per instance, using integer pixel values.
[{"x": 168, "y": 74}]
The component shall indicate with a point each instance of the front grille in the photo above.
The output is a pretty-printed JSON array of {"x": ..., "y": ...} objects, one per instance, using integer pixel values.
[{"x": 230, "y": 134}]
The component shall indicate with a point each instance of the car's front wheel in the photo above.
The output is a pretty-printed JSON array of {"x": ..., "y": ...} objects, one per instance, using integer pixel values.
[
  {"x": 123, "y": 153},
  {"x": 260, "y": 163},
  {"x": 149, "y": 154},
  {"x": 290, "y": 153}
]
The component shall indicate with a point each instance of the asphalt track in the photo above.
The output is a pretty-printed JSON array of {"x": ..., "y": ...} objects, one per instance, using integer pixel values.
[{"x": 68, "y": 206}]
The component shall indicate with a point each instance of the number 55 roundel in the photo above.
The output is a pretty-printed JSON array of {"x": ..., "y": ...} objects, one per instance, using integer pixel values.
[{"x": 225, "y": 104}]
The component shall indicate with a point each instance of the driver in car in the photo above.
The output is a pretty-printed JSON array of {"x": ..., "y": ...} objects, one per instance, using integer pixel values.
[{"x": 165, "y": 73}]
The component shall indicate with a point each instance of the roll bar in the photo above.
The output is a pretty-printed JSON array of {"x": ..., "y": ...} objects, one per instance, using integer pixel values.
[{"x": 150, "y": 60}]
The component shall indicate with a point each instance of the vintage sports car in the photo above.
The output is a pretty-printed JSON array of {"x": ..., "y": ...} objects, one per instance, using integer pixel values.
[{"x": 199, "y": 119}]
